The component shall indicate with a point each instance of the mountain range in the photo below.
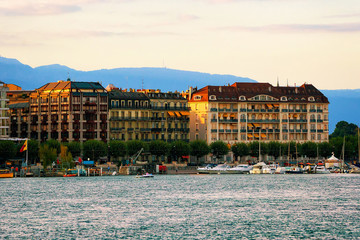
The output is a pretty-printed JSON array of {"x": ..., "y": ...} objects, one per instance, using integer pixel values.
[{"x": 344, "y": 104}]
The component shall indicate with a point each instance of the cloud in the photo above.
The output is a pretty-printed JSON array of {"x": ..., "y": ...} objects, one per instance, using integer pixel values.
[
  {"x": 287, "y": 28},
  {"x": 38, "y": 9},
  {"x": 187, "y": 17},
  {"x": 87, "y": 34},
  {"x": 350, "y": 15}
]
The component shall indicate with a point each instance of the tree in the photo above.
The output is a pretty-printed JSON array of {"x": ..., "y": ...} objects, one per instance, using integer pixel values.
[
  {"x": 274, "y": 149},
  {"x": 199, "y": 148},
  {"x": 158, "y": 148},
  {"x": 74, "y": 148},
  {"x": 117, "y": 148},
  {"x": 134, "y": 146},
  {"x": 33, "y": 148},
  {"x": 94, "y": 149},
  {"x": 325, "y": 149},
  {"x": 240, "y": 150},
  {"x": 52, "y": 143},
  {"x": 309, "y": 149},
  {"x": 254, "y": 149},
  {"x": 344, "y": 128},
  {"x": 219, "y": 149},
  {"x": 7, "y": 150},
  {"x": 66, "y": 157},
  {"x": 285, "y": 147},
  {"x": 47, "y": 155},
  {"x": 179, "y": 149}
]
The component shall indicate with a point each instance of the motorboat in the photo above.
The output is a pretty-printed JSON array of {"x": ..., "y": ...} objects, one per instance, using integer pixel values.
[
  {"x": 241, "y": 168},
  {"x": 294, "y": 170},
  {"x": 220, "y": 169},
  {"x": 5, "y": 173},
  {"x": 260, "y": 168},
  {"x": 205, "y": 170},
  {"x": 273, "y": 167},
  {"x": 280, "y": 170},
  {"x": 146, "y": 175},
  {"x": 320, "y": 169},
  {"x": 74, "y": 173}
]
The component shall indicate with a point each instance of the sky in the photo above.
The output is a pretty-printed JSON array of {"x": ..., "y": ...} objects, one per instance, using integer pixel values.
[{"x": 295, "y": 41}]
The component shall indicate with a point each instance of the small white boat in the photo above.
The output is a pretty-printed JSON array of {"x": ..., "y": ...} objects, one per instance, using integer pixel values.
[
  {"x": 205, "y": 170},
  {"x": 220, "y": 169},
  {"x": 260, "y": 168},
  {"x": 320, "y": 169},
  {"x": 280, "y": 170},
  {"x": 147, "y": 175},
  {"x": 294, "y": 170},
  {"x": 241, "y": 168}
]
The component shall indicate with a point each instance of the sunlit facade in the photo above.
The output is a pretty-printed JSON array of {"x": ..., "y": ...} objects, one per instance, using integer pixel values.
[{"x": 245, "y": 112}]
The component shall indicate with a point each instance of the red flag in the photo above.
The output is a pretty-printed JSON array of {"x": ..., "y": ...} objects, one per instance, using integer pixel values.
[{"x": 24, "y": 147}]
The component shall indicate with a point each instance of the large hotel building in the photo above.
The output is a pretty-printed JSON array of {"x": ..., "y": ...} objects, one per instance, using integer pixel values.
[
  {"x": 244, "y": 112},
  {"x": 148, "y": 115},
  {"x": 69, "y": 111}
]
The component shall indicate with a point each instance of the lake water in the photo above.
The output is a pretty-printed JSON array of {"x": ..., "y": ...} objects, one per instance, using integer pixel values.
[{"x": 182, "y": 207}]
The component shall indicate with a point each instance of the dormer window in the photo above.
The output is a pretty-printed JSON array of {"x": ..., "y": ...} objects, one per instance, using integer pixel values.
[
  {"x": 242, "y": 98},
  {"x": 283, "y": 98},
  {"x": 197, "y": 97},
  {"x": 212, "y": 97},
  {"x": 311, "y": 99}
]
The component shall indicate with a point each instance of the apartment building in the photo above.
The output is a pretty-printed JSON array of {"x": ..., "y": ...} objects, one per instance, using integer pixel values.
[
  {"x": 244, "y": 112},
  {"x": 69, "y": 111},
  {"x": 169, "y": 116},
  {"x": 19, "y": 111},
  {"x": 4, "y": 116},
  {"x": 129, "y": 114}
]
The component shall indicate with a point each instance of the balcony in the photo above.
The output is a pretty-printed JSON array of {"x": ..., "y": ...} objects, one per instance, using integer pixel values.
[
  {"x": 313, "y": 130},
  {"x": 214, "y": 130},
  {"x": 213, "y": 109},
  {"x": 145, "y": 129},
  {"x": 228, "y": 120},
  {"x": 221, "y": 130},
  {"x": 298, "y": 120}
]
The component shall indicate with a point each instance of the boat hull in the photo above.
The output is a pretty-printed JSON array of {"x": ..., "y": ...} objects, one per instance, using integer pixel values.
[{"x": 6, "y": 175}]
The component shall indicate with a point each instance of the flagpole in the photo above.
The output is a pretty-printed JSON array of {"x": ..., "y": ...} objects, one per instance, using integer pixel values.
[{"x": 27, "y": 152}]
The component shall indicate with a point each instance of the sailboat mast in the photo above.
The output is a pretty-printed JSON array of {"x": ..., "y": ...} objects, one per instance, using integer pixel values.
[{"x": 259, "y": 147}]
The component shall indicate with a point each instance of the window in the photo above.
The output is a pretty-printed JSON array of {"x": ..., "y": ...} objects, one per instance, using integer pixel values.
[
  {"x": 283, "y": 98},
  {"x": 242, "y": 98},
  {"x": 212, "y": 97},
  {"x": 311, "y": 99},
  {"x": 197, "y": 97}
]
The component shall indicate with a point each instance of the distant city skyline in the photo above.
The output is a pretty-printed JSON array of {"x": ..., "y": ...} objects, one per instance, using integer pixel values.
[{"x": 295, "y": 41}]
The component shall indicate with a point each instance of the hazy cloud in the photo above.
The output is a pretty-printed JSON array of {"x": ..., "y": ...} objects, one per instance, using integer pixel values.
[
  {"x": 344, "y": 27},
  {"x": 350, "y": 15},
  {"x": 38, "y": 9},
  {"x": 187, "y": 17}
]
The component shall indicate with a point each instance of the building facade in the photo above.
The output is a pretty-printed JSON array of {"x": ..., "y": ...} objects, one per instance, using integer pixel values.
[
  {"x": 129, "y": 116},
  {"x": 148, "y": 115},
  {"x": 69, "y": 111},
  {"x": 4, "y": 108},
  {"x": 19, "y": 111},
  {"x": 245, "y": 112},
  {"x": 169, "y": 116}
]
